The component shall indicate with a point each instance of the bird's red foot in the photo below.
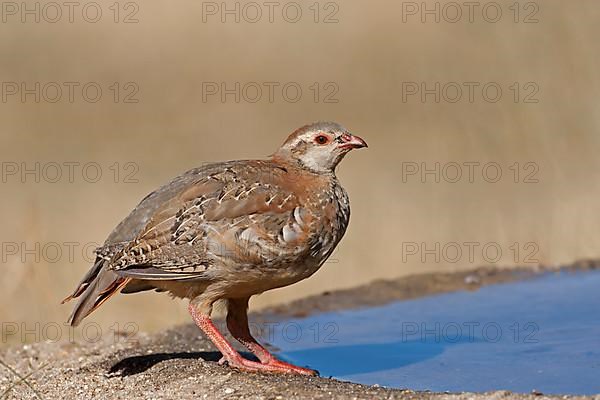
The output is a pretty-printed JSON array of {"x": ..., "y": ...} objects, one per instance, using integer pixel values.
[
  {"x": 291, "y": 368},
  {"x": 273, "y": 366}
]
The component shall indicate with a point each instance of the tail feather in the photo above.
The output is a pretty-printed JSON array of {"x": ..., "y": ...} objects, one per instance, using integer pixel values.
[
  {"x": 87, "y": 279},
  {"x": 96, "y": 287}
]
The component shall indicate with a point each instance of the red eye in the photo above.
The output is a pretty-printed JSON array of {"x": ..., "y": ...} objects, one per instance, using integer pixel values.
[{"x": 321, "y": 139}]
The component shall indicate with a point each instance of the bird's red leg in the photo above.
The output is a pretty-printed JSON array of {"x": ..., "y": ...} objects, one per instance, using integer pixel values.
[
  {"x": 233, "y": 358},
  {"x": 210, "y": 330},
  {"x": 237, "y": 322}
]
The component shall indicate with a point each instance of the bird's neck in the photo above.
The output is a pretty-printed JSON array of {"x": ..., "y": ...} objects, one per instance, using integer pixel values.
[{"x": 285, "y": 160}]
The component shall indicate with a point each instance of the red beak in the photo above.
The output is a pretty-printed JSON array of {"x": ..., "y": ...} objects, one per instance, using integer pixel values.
[{"x": 349, "y": 141}]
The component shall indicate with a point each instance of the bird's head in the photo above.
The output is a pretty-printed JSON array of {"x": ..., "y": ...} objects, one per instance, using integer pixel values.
[{"x": 319, "y": 147}]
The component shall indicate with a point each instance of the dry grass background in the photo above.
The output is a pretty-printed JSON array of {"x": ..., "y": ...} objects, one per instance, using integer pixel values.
[{"x": 369, "y": 53}]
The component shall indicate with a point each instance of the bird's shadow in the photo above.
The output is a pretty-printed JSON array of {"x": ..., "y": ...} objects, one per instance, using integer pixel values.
[{"x": 138, "y": 364}]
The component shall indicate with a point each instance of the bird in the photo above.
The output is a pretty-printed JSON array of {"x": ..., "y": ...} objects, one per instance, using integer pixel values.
[{"x": 226, "y": 231}]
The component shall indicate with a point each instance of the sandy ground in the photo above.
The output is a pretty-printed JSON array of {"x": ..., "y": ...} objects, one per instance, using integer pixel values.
[{"x": 180, "y": 363}]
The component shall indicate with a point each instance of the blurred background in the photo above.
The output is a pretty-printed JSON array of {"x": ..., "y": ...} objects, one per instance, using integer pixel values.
[{"x": 504, "y": 174}]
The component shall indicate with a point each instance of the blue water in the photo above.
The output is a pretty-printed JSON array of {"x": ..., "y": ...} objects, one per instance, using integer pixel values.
[{"x": 541, "y": 334}]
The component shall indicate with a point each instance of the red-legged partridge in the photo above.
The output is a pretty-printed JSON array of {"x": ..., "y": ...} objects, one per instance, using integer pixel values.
[{"x": 230, "y": 230}]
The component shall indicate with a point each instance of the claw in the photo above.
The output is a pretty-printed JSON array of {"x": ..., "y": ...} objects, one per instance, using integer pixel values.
[
  {"x": 292, "y": 369},
  {"x": 274, "y": 366}
]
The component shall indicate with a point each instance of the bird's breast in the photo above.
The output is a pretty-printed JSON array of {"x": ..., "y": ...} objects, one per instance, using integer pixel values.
[{"x": 331, "y": 221}]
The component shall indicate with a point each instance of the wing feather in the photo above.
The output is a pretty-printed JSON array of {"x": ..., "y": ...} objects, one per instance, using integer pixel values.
[{"x": 224, "y": 216}]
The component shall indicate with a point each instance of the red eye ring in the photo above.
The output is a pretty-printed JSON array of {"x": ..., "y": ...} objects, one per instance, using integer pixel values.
[{"x": 321, "y": 139}]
